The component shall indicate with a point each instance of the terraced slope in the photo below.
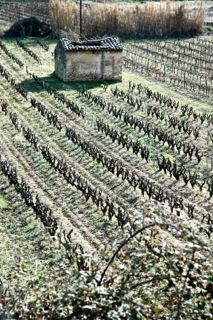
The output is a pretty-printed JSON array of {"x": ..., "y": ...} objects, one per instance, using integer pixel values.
[{"x": 95, "y": 153}]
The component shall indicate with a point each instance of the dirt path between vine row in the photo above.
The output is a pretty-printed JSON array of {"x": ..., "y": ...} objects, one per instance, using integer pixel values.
[{"x": 88, "y": 130}]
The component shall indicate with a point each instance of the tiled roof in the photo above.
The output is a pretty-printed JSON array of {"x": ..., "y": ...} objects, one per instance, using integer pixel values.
[{"x": 93, "y": 45}]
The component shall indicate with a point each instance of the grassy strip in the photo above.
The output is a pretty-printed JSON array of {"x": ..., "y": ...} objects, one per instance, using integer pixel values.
[
  {"x": 27, "y": 253},
  {"x": 3, "y": 202}
]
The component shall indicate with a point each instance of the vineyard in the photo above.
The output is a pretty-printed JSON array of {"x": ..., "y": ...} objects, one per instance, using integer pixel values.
[
  {"x": 114, "y": 179},
  {"x": 187, "y": 64}
]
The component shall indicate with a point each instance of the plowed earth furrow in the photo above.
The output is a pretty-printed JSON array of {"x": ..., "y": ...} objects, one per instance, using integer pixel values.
[
  {"x": 13, "y": 156},
  {"x": 97, "y": 176}
]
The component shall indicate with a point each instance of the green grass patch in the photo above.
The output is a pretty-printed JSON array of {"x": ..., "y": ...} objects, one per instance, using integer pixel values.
[
  {"x": 4, "y": 204},
  {"x": 174, "y": 93}
]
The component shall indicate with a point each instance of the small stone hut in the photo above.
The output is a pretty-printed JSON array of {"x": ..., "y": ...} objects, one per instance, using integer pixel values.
[{"x": 89, "y": 60}]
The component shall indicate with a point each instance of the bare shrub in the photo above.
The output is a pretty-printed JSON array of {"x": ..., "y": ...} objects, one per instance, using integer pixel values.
[{"x": 130, "y": 20}]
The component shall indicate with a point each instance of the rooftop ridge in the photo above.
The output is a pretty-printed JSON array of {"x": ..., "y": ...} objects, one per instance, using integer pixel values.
[{"x": 109, "y": 43}]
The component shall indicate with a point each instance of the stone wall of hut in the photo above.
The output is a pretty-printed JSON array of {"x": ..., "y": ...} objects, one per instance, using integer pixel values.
[
  {"x": 60, "y": 62},
  {"x": 89, "y": 65}
]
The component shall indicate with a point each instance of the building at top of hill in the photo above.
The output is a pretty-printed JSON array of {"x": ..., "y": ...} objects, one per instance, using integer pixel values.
[{"x": 90, "y": 60}]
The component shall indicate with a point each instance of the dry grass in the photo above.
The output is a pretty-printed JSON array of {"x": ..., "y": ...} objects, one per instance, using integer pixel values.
[{"x": 129, "y": 20}]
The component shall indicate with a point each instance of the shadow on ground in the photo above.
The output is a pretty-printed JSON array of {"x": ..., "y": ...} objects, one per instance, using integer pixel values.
[{"x": 52, "y": 80}]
